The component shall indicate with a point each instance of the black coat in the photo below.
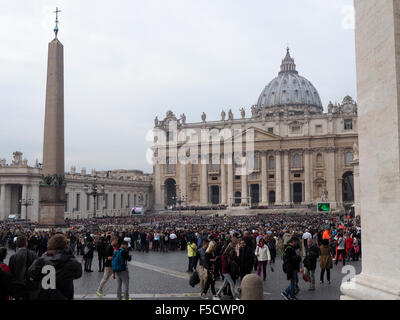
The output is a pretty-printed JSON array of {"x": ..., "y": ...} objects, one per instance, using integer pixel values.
[
  {"x": 67, "y": 269},
  {"x": 246, "y": 260},
  {"x": 293, "y": 261}
]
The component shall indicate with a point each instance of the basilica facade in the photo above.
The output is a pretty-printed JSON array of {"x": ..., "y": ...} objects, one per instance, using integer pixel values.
[{"x": 299, "y": 155}]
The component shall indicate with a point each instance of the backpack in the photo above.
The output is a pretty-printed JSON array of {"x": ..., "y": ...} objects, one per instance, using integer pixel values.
[{"x": 118, "y": 263}]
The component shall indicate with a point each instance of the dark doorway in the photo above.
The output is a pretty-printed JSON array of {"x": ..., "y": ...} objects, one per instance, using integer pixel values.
[
  {"x": 348, "y": 187},
  {"x": 297, "y": 192},
  {"x": 238, "y": 197},
  {"x": 255, "y": 193},
  {"x": 215, "y": 194},
  {"x": 271, "y": 197},
  {"x": 170, "y": 187}
]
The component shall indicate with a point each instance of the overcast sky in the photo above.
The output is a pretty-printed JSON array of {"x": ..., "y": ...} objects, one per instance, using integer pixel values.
[{"x": 126, "y": 61}]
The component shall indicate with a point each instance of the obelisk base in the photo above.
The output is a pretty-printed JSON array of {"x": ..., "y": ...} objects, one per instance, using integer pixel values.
[
  {"x": 51, "y": 206},
  {"x": 367, "y": 287}
]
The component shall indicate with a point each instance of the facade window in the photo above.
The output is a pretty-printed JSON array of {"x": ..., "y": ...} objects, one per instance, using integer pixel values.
[
  {"x": 296, "y": 161},
  {"x": 256, "y": 162},
  {"x": 348, "y": 124},
  {"x": 129, "y": 200},
  {"x": 134, "y": 200},
  {"x": 270, "y": 130},
  {"x": 171, "y": 168},
  {"x": 78, "y": 202},
  {"x": 122, "y": 201},
  {"x": 271, "y": 176},
  {"x": 295, "y": 129},
  {"x": 320, "y": 160},
  {"x": 170, "y": 136},
  {"x": 114, "y": 201},
  {"x": 97, "y": 203},
  {"x": 318, "y": 128},
  {"x": 348, "y": 158},
  {"x": 271, "y": 162}
]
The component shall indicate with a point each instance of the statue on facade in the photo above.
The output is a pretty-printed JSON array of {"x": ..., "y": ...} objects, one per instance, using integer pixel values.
[
  {"x": 203, "y": 117},
  {"x": 324, "y": 197},
  {"x": 242, "y": 113},
  {"x": 183, "y": 118},
  {"x": 254, "y": 112},
  {"x": 3, "y": 162},
  {"x": 223, "y": 115},
  {"x": 355, "y": 151},
  {"x": 17, "y": 155},
  {"x": 156, "y": 122},
  {"x": 330, "y": 107},
  {"x": 230, "y": 115}
]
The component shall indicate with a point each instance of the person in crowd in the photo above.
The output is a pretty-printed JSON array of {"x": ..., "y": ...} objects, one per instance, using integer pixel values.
[
  {"x": 271, "y": 243},
  {"x": 120, "y": 269},
  {"x": 21, "y": 260},
  {"x": 349, "y": 244},
  {"x": 210, "y": 259},
  {"x": 356, "y": 247},
  {"x": 101, "y": 246},
  {"x": 191, "y": 249},
  {"x": 3, "y": 255},
  {"x": 227, "y": 258},
  {"x": 291, "y": 266},
  {"x": 88, "y": 254},
  {"x": 109, "y": 252},
  {"x": 201, "y": 258},
  {"x": 340, "y": 248},
  {"x": 325, "y": 261},
  {"x": 246, "y": 259},
  {"x": 263, "y": 258},
  {"x": 67, "y": 269},
  {"x": 310, "y": 262}
]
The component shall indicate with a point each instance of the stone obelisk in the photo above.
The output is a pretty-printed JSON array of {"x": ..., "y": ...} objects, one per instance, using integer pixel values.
[{"x": 52, "y": 189}]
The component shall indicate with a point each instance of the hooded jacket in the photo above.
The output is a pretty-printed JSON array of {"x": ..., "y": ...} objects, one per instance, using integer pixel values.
[{"x": 67, "y": 269}]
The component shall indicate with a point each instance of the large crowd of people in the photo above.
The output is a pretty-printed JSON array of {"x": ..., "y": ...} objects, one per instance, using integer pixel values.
[{"x": 223, "y": 248}]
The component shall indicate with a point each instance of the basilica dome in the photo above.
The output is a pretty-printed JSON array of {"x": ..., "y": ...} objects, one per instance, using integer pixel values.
[{"x": 290, "y": 89}]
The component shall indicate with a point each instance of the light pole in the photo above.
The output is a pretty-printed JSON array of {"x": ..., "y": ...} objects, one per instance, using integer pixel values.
[
  {"x": 26, "y": 203},
  {"x": 179, "y": 200},
  {"x": 95, "y": 191}
]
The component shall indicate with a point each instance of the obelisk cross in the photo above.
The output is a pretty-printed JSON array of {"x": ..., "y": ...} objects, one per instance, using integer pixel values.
[{"x": 56, "y": 27}]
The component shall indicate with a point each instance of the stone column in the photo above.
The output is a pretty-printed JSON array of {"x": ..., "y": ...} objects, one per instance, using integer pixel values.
[
  {"x": 278, "y": 178},
  {"x": 3, "y": 202},
  {"x": 158, "y": 195},
  {"x": 357, "y": 208},
  {"x": 307, "y": 177},
  {"x": 378, "y": 87},
  {"x": 230, "y": 183},
  {"x": 331, "y": 177},
  {"x": 286, "y": 181},
  {"x": 264, "y": 180},
  {"x": 223, "y": 183},
  {"x": 35, "y": 206},
  {"x": 24, "y": 196},
  {"x": 182, "y": 183},
  {"x": 244, "y": 185},
  {"x": 204, "y": 185}
]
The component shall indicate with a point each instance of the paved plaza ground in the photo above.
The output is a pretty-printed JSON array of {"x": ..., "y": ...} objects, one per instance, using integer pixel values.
[{"x": 163, "y": 276}]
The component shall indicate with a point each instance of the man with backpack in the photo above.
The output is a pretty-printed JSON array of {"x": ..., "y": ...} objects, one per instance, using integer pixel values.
[
  {"x": 120, "y": 269},
  {"x": 291, "y": 266},
  {"x": 67, "y": 269}
]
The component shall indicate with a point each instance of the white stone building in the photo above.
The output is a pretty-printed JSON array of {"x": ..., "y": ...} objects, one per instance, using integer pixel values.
[{"x": 123, "y": 189}]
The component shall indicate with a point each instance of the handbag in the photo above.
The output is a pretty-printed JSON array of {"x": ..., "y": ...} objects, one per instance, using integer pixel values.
[
  {"x": 194, "y": 279},
  {"x": 305, "y": 277}
]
